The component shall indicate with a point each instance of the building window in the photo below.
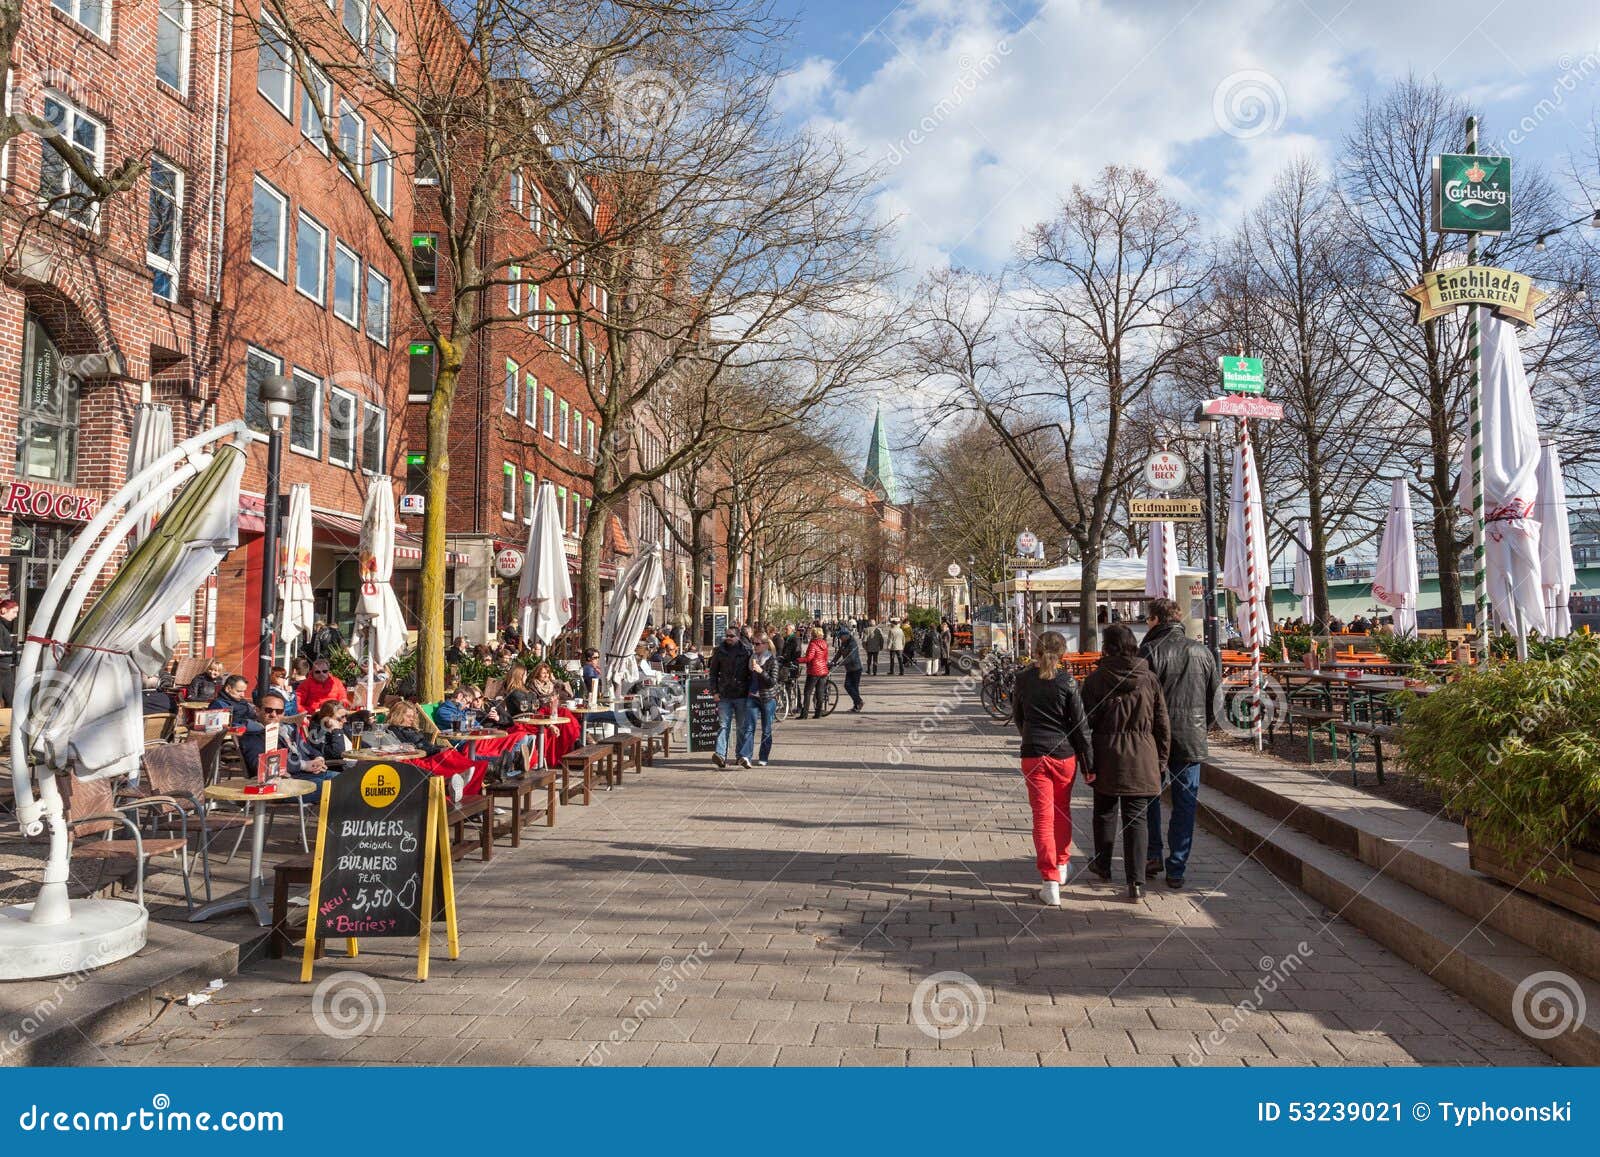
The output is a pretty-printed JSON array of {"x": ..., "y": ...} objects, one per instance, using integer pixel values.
[
  {"x": 514, "y": 290},
  {"x": 355, "y": 20},
  {"x": 549, "y": 413},
  {"x": 258, "y": 367},
  {"x": 561, "y": 505},
  {"x": 166, "y": 227},
  {"x": 346, "y": 284},
  {"x": 562, "y": 429},
  {"x": 508, "y": 492},
  {"x": 377, "y": 306},
  {"x": 92, "y": 14},
  {"x": 589, "y": 434},
  {"x": 316, "y": 103},
  {"x": 274, "y": 80},
  {"x": 373, "y": 420},
  {"x": 427, "y": 160},
  {"x": 516, "y": 192},
  {"x": 59, "y": 186},
  {"x": 535, "y": 210},
  {"x": 416, "y": 472},
  {"x": 531, "y": 405},
  {"x": 384, "y": 51},
  {"x": 47, "y": 419},
  {"x": 352, "y": 138},
  {"x": 512, "y": 371},
  {"x": 172, "y": 43},
  {"x": 341, "y": 428},
  {"x": 380, "y": 175},
  {"x": 310, "y": 258},
  {"x": 305, "y": 420},
  {"x": 268, "y": 222},
  {"x": 425, "y": 261},
  {"x": 528, "y": 485}
]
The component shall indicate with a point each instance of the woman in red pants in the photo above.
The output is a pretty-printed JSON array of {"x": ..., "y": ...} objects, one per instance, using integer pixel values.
[
  {"x": 1055, "y": 744},
  {"x": 545, "y": 694}
]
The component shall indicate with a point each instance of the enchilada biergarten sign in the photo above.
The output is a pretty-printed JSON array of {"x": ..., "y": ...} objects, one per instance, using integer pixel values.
[
  {"x": 381, "y": 838},
  {"x": 1511, "y": 295}
]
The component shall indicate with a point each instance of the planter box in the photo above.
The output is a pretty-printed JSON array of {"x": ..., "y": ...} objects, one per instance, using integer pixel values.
[{"x": 1576, "y": 892}]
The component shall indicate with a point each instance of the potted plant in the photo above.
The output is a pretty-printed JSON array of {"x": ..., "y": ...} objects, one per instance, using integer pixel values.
[{"x": 1516, "y": 750}]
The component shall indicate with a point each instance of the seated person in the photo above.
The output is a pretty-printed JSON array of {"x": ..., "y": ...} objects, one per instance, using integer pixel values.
[
  {"x": 280, "y": 683},
  {"x": 517, "y": 698},
  {"x": 207, "y": 685},
  {"x": 327, "y": 733},
  {"x": 235, "y": 698},
  {"x": 303, "y": 762},
  {"x": 454, "y": 711},
  {"x": 319, "y": 687},
  {"x": 590, "y": 673},
  {"x": 157, "y": 701}
]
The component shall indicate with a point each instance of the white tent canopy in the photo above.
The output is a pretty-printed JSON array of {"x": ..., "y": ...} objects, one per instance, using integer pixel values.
[{"x": 1123, "y": 576}]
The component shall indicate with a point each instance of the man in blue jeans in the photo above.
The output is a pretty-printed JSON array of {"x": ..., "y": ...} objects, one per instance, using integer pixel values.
[
  {"x": 730, "y": 670},
  {"x": 1190, "y": 681}
]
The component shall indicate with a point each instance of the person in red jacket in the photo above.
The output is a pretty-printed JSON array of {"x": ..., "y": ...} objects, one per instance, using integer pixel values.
[
  {"x": 319, "y": 687},
  {"x": 815, "y": 663}
]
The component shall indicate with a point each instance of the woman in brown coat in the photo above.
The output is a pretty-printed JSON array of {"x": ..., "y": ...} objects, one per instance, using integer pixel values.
[{"x": 1131, "y": 739}]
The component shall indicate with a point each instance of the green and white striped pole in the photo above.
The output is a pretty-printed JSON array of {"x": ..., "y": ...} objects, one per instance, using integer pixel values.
[{"x": 1480, "y": 585}]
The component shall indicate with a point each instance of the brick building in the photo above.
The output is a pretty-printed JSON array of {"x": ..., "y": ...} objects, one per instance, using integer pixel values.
[{"x": 103, "y": 306}]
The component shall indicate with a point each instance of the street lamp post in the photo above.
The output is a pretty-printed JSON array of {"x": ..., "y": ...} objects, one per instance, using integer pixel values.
[
  {"x": 1208, "y": 425},
  {"x": 277, "y": 398}
]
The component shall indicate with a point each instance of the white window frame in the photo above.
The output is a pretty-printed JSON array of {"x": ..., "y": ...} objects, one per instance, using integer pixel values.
[
  {"x": 357, "y": 155},
  {"x": 420, "y": 149},
  {"x": 533, "y": 306},
  {"x": 272, "y": 361},
  {"x": 531, "y": 394},
  {"x": 260, "y": 183},
  {"x": 352, "y": 424},
  {"x": 304, "y": 218},
  {"x": 383, "y": 432},
  {"x": 434, "y": 288},
  {"x": 333, "y": 286},
  {"x": 561, "y": 501},
  {"x": 171, "y": 266},
  {"x": 514, "y": 290},
  {"x": 384, "y": 53},
  {"x": 380, "y": 173},
  {"x": 372, "y": 275},
  {"x": 535, "y": 209},
  {"x": 185, "y": 39},
  {"x": 564, "y": 410},
  {"x": 268, "y": 29},
  {"x": 513, "y": 391},
  {"x": 324, "y": 84},
  {"x": 589, "y": 425},
  {"x": 530, "y": 490},
  {"x": 73, "y": 10},
  {"x": 508, "y": 490},
  {"x": 298, "y": 376},
  {"x": 75, "y": 112},
  {"x": 366, "y": 14},
  {"x": 548, "y": 428},
  {"x": 516, "y": 191}
]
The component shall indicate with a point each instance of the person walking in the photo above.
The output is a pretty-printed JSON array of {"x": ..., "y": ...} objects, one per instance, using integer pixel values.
[
  {"x": 928, "y": 648},
  {"x": 1131, "y": 738},
  {"x": 848, "y": 656},
  {"x": 1190, "y": 682},
  {"x": 1049, "y": 716},
  {"x": 815, "y": 663},
  {"x": 946, "y": 645},
  {"x": 730, "y": 682},
  {"x": 764, "y": 692},
  {"x": 895, "y": 640},
  {"x": 9, "y": 608},
  {"x": 873, "y": 644}
]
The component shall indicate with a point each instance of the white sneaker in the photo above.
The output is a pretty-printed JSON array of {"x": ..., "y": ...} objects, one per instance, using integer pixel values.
[
  {"x": 761, "y": 763},
  {"x": 744, "y": 761},
  {"x": 1061, "y": 873},
  {"x": 1050, "y": 893}
]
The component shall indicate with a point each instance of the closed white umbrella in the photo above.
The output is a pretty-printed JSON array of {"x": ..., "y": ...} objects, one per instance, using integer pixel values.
[
  {"x": 1302, "y": 568},
  {"x": 1161, "y": 562},
  {"x": 296, "y": 604},
  {"x": 152, "y": 437},
  {"x": 1244, "y": 567},
  {"x": 380, "y": 625},
  {"x": 92, "y": 718},
  {"x": 1557, "y": 575},
  {"x": 1395, "y": 583},
  {"x": 1510, "y": 481},
  {"x": 545, "y": 591},
  {"x": 640, "y": 586}
]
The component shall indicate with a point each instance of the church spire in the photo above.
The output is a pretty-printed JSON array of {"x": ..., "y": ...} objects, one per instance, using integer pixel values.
[{"x": 879, "y": 474}]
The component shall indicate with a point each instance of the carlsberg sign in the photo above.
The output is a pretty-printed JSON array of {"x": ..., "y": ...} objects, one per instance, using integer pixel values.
[{"x": 1471, "y": 194}]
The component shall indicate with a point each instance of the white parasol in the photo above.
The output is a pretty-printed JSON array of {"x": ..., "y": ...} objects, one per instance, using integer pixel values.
[
  {"x": 1161, "y": 562},
  {"x": 1302, "y": 568},
  {"x": 380, "y": 625},
  {"x": 1557, "y": 576},
  {"x": 1395, "y": 583},
  {"x": 545, "y": 591},
  {"x": 296, "y": 606}
]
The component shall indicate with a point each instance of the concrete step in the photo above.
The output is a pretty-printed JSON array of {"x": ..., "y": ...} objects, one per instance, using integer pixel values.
[
  {"x": 1473, "y": 959},
  {"x": 1425, "y": 852}
]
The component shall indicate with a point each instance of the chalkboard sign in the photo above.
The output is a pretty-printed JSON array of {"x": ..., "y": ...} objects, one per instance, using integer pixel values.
[
  {"x": 702, "y": 714},
  {"x": 381, "y": 837}
]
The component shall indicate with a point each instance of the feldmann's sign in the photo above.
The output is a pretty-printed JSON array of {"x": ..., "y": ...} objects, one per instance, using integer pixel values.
[
  {"x": 1471, "y": 194},
  {"x": 1511, "y": 295},
  {"x": 1164, "y": 509}
]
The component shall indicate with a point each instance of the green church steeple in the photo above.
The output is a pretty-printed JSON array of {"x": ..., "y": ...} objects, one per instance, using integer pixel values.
[{"x": 879, "y": 474}]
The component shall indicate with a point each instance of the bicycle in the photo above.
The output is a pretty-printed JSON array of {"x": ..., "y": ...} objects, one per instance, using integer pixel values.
[
  {"x": 792, "y": 693},
  {"x": 998, "y": 686}
]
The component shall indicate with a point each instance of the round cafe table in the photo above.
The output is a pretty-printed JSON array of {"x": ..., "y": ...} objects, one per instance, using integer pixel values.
[
  {"x": 286, "y": 788},
  {"x": 472, "y": 738},
  {"x": 539, "y": 721}
]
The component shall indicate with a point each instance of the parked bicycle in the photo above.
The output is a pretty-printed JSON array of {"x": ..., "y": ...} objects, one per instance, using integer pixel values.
[
  {"x": 792, "y": 692},
  {"x": 998, "y": 686}
]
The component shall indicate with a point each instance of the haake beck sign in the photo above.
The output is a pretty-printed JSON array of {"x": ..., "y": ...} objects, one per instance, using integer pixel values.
[{"x": 27, "y": 500}]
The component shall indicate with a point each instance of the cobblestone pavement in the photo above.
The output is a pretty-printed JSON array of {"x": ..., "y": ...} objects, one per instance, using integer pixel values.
[{"x": 868, "y": 899}]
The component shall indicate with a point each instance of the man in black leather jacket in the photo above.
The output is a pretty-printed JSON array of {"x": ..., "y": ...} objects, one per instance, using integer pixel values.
[{"x": 1191, "y": 682}]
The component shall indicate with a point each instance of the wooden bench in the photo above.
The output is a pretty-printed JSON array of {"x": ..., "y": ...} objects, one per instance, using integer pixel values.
[
  {"x": 583, "y": 760},
  {"x": 1359, "y": 731},
  {"x": 456, "y": 818},
  {"x": 656, "y": 735},
  {"x": 518, "y": 793},
  {"x": 285, "y": 875},
  {"x": 626, "y": 747}
]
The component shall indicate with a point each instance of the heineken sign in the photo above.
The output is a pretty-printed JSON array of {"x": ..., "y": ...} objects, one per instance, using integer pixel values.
[
  {"x": 1511, "y": 295},
  {"x": 1471, "y": 194},
  {"x": 1243, "y": 375}
]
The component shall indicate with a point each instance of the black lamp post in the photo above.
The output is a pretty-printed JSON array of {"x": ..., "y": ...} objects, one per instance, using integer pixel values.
[
  {"x": 277, "y": 398},
  {"x": 1208, "y": 425}
]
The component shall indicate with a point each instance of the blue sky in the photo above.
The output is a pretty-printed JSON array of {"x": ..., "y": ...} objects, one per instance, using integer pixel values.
[{"x": 987, "y": 111}]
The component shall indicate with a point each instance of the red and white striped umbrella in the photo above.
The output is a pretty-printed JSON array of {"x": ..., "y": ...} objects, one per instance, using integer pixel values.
[{"x": 1244, "y": 567}]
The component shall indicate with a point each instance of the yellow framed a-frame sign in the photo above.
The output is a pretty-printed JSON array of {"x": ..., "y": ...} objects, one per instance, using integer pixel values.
[{"x": 383, "y": 851}]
